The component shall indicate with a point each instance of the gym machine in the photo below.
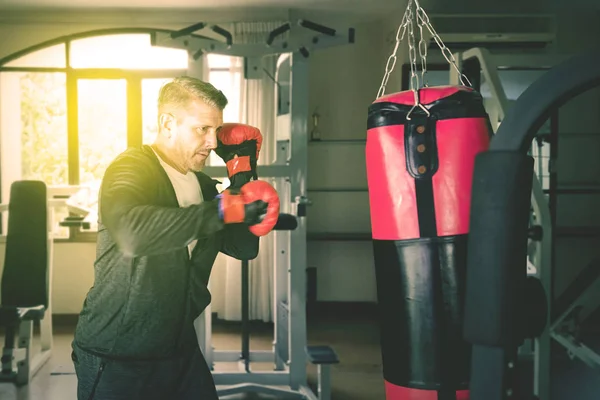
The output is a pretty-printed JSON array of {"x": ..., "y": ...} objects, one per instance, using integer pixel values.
[
  {"x": 497, "y": 285},
  {"x": 480, "y": 64},
  {"x": 577, "y": 303},
  {"x": 292, "y": 44},
  {"x": 27, "y": 274},
  {"x": 26, "y": 277}
]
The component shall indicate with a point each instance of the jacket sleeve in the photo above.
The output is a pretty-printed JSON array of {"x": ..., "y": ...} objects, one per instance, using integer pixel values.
[
  {"x": 238, "y": 242},
  {"x": 141, "y": 228}
]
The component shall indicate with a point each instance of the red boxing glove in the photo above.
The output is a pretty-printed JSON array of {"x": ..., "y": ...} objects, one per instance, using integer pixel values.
[
  {"x": 239, "y": 146},
  {"x": 256, "y": 204}
]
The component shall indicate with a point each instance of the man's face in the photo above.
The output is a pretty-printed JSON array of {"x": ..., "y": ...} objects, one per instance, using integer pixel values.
[{"x": 194, "y": 134}]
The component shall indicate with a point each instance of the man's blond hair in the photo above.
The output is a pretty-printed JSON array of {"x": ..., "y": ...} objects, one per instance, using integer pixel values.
[{"x": 181, "y": 91}]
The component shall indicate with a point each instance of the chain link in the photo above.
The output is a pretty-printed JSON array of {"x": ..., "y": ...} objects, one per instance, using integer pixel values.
[
  {"x": 407, "y": 25},
  {"x": 423, "y": 47},
  {"x": 412, "y": 53},
  {"x": 446, "y": 52},
  {"x": 391, "y": 62}
]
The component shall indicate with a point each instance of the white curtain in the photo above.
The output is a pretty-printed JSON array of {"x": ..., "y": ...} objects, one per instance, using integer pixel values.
[{"x": 257, "y": 108}]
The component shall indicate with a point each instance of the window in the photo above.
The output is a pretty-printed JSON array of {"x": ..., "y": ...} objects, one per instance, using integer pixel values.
[
  {"x": 34, "y": 132},
  {"x": 64, "y": 126},
  {"x": 124, "y": 51},
  {"x": 226, "y": 73},
  {"x": 49, "y": 57}
]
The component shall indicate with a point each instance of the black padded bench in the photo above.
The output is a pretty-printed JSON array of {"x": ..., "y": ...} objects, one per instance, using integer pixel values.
[
  {"x": 24, "y": 297},
  {"x": 323, "y": 357}
]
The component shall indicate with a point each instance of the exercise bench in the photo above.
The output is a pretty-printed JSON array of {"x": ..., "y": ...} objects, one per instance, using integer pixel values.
[
  {"x": 323, "y": 357},
  {"x": 25, "y": 297}
]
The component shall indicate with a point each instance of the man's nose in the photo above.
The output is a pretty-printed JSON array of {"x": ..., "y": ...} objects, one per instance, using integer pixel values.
[{"x": 211, "y": 140}]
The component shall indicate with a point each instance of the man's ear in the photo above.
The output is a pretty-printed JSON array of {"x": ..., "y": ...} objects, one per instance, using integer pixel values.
[{"x": 166, "y": 122}]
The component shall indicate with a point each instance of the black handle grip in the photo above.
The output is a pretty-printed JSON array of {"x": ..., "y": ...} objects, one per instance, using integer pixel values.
[
  {"x": 304, "y": 51},
  {"x": 313, "y": 26},
  {"x": 186, "y": 31},
  {"x": 277, "y": 32},
  {"x": 223, "y": 32},
  {"x": 286, "y": 222}
]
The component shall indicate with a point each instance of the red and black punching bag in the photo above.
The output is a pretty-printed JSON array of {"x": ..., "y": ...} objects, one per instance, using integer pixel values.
[{"x": 419, "y": 171}]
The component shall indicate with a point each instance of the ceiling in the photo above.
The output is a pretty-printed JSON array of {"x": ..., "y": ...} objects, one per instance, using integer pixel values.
[
  {"x": 218, "y": 10},
  {"x": 196, "y": 4},
  {"x": 358, "y": 6}
]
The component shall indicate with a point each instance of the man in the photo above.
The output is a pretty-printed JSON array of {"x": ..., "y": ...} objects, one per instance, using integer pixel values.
[{"x": 161, "y": 226}]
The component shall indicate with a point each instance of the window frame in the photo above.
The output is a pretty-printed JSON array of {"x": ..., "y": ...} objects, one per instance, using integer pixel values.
[{"x": 134, "y": 80}]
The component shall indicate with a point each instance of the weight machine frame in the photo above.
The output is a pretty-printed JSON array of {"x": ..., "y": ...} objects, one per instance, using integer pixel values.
[
  {"x": 541, "y": 257},
  {"x": 23, "y": 363},
  {"x": 289, "y": 173}
]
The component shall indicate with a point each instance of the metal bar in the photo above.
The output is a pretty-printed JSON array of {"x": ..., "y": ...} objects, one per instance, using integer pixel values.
[
  {"x": 245, "y": 315},
  {"x": 489, "y": 70},
  {"x": 193, "y": 43},
  {"x": 234, "y": 356},
  {"x": 274, "y": 378},
  {"x": 278, "y": 32},
  {"x": 316, "y": 27},
  {"x": 298, "y": 252},
  {"x": 578, "y": 349},
  {"x": 282, "y": 254},
  {"x": 324, "y": 378},
  {"x": 587, "y": 302},
  {"x": 543, "y": 261},
  {"x": 188, "y": 30},
  {"x": 224, "y": 33},
  {"x": 258, "y": 388},
  {"x": 308, "y": 393}
]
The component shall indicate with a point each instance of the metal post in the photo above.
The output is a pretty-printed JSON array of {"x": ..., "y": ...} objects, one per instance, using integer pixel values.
[
  {"x": 280, "y": 277},
  {"x": 543, "y": 262},
  {"x": 297, "y": 272},
  {"x": 324, "y": 390},
  {"x": 245, "y": 316}
]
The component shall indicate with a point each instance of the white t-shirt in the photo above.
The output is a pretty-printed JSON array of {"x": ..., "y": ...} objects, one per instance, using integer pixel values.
[{"x": 187, "y": 188}]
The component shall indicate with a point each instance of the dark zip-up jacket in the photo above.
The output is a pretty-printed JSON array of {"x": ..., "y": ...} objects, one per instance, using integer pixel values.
[{"x": 147, "y": 290}]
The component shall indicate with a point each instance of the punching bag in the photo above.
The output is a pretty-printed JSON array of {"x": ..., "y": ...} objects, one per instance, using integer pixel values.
[{"x": 419, "y": 171}]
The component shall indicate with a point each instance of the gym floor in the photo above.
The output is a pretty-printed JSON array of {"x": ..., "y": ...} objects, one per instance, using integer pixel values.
[{"x": 357, "y": 377}]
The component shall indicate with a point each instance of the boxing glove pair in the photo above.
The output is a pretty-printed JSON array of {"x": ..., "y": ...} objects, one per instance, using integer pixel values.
[{"x": 253, "y": 202}]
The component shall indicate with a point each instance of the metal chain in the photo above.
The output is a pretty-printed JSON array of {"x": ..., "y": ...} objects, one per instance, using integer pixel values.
[
  {"x": 391, "y": 62},
  {"x": 423, "y": 47},
  {"x": 412, "y": 52},
  {"x": 408, "y": 25},
  {"x": 424, "y": 18}
]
